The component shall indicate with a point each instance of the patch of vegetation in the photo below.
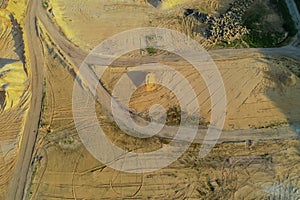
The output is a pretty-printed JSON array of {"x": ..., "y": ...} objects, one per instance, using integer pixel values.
[
  {"x": 264, "y": 34},
  {"x": 45, "y": 4},
  {"x": 68, "y": 141},
  {"x": 44, "y": 95},
  {"x": 282, "y": 8},
  {"x": 173, "y": 116},
  {"x": 271, "y": 125},
  {"x": 151, "y": 50},
  {"x": 238, "y": 43},
  {"x": 258, "y": 38},
  {"x": 30, "y": 189}
]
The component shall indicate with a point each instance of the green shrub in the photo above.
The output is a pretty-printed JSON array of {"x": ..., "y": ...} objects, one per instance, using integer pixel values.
[
  {"x": 262, "y": 35},
  {"x": 151, "y": 50},
  {"x": 45, "y": 5}
]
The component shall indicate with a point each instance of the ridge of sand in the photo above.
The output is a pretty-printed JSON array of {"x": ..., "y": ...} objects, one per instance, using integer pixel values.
[{"x": 14, "y": 86}]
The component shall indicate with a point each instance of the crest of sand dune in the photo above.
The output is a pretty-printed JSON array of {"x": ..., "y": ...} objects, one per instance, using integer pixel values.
[{"x": 167, "y": 4}]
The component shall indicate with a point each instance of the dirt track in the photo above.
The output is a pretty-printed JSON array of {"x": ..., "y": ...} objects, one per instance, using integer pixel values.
[{"x": 17, "y": 184}]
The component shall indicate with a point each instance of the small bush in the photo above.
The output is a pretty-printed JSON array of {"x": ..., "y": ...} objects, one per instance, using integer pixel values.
[
  {"x": 151, "y": 50},
  {"x": 45, "y": 4}
]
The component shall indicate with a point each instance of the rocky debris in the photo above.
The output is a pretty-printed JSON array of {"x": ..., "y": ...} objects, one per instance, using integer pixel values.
[
  {"x": 226, "y": 27},
  {"x": 196, "y": 14}
]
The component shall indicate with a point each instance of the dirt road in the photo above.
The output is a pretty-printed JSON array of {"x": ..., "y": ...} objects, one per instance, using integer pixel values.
[{"x": 35, "y": 61}]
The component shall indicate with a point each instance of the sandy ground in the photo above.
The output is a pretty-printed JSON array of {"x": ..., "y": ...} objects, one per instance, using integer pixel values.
[
  {"x": 256, "y": 95},
  {"x": 87, "y": 23},
  {"x": 64, "y": 169},
  {"x": 262, "y": 94},
  {"x": 230, "y": 172},
  {"x": 266, "y": 169},
  {"x": 79, "y": 14},
  {"x": 13, "y": 86}
]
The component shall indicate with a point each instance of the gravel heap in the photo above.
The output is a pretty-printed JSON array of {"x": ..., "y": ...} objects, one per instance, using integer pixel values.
[{"x": 226, "y": 27}]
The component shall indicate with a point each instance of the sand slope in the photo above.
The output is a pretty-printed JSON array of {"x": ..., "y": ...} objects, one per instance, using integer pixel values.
[{"x": 14, "y": 98}]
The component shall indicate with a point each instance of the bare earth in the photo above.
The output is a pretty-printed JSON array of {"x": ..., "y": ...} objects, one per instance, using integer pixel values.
[{"x": 42, "y": 156}]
